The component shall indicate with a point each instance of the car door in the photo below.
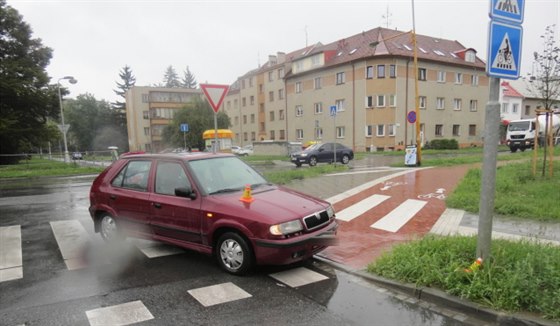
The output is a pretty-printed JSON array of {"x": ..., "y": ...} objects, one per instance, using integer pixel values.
[
  {"x": 172, "y": 216},
  {"x": 129, "y": 197},
  {"x": 325, "y": 153}
]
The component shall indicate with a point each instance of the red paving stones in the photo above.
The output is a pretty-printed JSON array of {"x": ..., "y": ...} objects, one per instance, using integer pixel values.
[{"x": 359, "y": 244}]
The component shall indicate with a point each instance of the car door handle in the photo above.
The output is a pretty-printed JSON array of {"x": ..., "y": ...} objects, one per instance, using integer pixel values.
[
  {"x": 113, "y": 197},
  {"x": 157, "y": 205}
]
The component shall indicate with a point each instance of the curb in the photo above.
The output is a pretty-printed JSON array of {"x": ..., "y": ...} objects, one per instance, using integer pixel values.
[{"x": 441, "y": 298}]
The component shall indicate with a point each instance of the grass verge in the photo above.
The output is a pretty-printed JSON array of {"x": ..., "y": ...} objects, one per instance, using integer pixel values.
[
  {"x": 283, "y": 177},
  {"x": 518, "y": 193},
  {"x": 520, "y": 276},
  {"x": 41, "y": 167}
]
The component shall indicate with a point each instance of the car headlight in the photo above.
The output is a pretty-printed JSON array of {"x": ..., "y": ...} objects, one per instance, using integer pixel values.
[
  {"x": 286, "y": 228},
  {"x": 303, "y": 154},
  {"x": 330, "y": 211}
]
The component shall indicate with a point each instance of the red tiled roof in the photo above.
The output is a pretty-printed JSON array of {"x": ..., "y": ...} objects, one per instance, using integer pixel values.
[{"x": 509, "y": 90}]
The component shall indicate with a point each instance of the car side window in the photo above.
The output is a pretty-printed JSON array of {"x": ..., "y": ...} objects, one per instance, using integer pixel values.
[
  {"x": 170, "y": 175},
  {"x": 134, "y": 176}
]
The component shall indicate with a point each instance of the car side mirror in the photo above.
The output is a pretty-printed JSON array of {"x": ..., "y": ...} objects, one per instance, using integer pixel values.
[{"x": 186, "y": 192}]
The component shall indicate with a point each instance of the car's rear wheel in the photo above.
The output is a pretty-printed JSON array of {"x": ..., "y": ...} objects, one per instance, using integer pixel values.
[
  {"x": 234, "y": 254},
  {"x": 108, "y": 228},
  {"x": 312, "y": 161},
  {"x": 345, "y": 159}
]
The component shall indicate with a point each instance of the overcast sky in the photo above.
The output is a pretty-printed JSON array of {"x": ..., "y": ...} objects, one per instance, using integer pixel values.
[{"x": 222, "y": 40}]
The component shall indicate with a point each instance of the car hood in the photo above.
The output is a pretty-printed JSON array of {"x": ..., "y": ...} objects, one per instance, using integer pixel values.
[{"x": 271, "y": 204}]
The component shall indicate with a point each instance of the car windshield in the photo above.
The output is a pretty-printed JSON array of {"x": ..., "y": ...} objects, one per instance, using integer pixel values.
[
  {"x": 313, "y": 147},
  {"x": 519, "y": 126},
  {"x": 224, "y": 174}
]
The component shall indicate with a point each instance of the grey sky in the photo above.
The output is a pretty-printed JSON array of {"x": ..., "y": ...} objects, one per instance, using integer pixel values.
[{"x": 221, "y": 40}]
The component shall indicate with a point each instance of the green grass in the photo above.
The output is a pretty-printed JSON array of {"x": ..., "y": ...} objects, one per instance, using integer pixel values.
[
  {"x": 42, "y": 167},
  {"x": 520, "y": 276},
  {"x": 283, "y": 177},
  {"x": 518, "y": 193}
]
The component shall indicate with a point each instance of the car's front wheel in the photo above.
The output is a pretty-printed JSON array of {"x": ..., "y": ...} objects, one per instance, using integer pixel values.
[
  {"x": 109, "y": 229},
  {"x": 312, "y": 161},
  {"x": 345, "y": 159},
  {"x": 234, "y": 254}
]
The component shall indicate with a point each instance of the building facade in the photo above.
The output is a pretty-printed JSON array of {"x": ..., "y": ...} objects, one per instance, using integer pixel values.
[
  {"x": 149, "y": 110},
  {"x": 370, "y": 79}
]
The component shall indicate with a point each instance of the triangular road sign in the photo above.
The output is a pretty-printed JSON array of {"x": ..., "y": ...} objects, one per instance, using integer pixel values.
[
  {"x": 215, "y": 94},
  {"x": 504, "y": 57}
]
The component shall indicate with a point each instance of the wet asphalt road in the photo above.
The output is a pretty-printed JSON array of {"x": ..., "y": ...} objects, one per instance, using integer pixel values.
[{"x": 51, "y": 294}]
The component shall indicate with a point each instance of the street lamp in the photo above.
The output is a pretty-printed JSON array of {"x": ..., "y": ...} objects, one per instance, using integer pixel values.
[{"x": 71, "y": 80}]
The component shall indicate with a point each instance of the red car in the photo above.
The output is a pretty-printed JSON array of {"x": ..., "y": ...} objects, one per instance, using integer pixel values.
[{"x": 211, "y": 203}]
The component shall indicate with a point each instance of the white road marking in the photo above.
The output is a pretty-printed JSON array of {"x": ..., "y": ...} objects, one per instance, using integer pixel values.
[
  {"x": 122, "y": 314},
  {"x": 298, "y": 277},
  {"x": 72, "y": 241},
  {"x": 398, "y": 217},
  {"x": 11, "y": 267},
  {"x": 152, "y": 249},
  {"x": 361, "y": 207},
  {"x": 217, "y": 294}
]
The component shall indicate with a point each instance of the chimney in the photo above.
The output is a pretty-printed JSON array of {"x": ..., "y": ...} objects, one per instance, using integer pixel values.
[
  {"x": 281, "y": 57},
  {"x": 271, "y": 60}
]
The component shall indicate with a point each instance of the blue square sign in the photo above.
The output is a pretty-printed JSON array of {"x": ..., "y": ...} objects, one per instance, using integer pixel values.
[
  {"x": 504, "y": 50},
  {"x": 507, "y": 10}
]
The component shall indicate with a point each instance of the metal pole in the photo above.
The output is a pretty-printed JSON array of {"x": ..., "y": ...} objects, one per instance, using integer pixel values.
[
  {"x": 66, "y": 156},
  {"x": 334, "y": 143},
  {"x": 488, "y": 180},
  {"x": 215, "y": 133},
  {"x": 416, "y": 99}
]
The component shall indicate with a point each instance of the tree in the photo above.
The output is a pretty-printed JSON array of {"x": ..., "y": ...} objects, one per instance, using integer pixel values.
[
  {"x": 119, "y": 107},
  {"x": 189, "y": 80},
  {"x": 200, "y": 117},
  {"x": 170, "y": 78},
  {"x": 27, "y": 99}
]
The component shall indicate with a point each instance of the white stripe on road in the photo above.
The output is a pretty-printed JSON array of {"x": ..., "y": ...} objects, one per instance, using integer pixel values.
[
  {"x": 298, "y": 277},
  {"x": 10, "y": 253},
  {"x": 122, "y": 314},
  {"x": 398, "y": 217},
  {"x": 218, "y": 294},
  {"x": 154, "y": 249},
  {"x": 72, "y": 241},
  {"x": 361, "y": 207}
]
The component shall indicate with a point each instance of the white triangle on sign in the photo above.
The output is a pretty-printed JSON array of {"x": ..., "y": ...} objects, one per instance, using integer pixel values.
[
  {"x": 504, "y": 56},
  {"x": 510, "y": 6},
  {"x": 215, "y": 94}
]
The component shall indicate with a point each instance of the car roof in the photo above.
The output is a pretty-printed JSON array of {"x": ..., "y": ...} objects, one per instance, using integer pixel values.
[{"x": 183, "y": 156}]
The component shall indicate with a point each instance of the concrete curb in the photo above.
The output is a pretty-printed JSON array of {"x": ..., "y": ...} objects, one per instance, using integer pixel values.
[{"x": 442, "y": 298}]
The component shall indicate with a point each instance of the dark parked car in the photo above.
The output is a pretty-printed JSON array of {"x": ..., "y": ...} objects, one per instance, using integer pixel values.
[
  {"x": 200, "y": 201},
  {"x": 322, "y": 152}
]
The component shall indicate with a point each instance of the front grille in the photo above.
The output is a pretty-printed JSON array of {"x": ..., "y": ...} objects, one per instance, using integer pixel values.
[
  {"x": 517, "y": 136},
  {"x": 316, "y": 220}
]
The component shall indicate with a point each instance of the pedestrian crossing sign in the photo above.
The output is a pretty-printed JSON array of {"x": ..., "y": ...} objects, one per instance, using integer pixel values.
[
  {"x": 504, "y": 50},
  {"x": 507, "y": 10}
]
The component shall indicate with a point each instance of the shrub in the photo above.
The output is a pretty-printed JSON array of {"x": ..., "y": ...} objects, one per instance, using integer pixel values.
[{"x": 443, "y": 144}]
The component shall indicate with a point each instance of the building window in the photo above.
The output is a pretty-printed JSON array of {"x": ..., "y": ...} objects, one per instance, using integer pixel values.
[
  {"x": 380, "y": 71},
  {"x": 299, "y": 110},
  {"x": 340, "y": 78},
  {"x": 340, "y": 105},
  {"x": 245, "y": 136},
  {"x": 252, "y": 100},
  {"x": 318, "y": 133},
  {"x": 380, "y": 100},
  {"x": 391, "y": 130},
  {"x": 299, "y": 133},
  {"x": 244, "y": 102},
  {"x": 505, "y": 107},
  {"x": 317, "y": 83},
  {"x": 281, "y": 94},
  {"x": 253, "y": 136},
  {"x": 271, "y": 96},
  {"x": 272, "y": 135},
  {"x": 145, "y": 98},
  {"x": 271, "y": 114},
  {"x": 457, "y": 104},
  {"x": 473, "y": 105},
  {"x": 393, "y": 71},
  {"x": 369, "y": 130},
  {"x": 439, "y": 130},
  {"x": 369, "y": 101},
  {"x": 282, "y": 135},
  {"x": 244, "y": 119},
  {"x": 440, "y": 103},
  {"x": 146, "y": 131},
  {"x": 369, "y": 72},
  {"x": 270, "y": 76},
  {"x": 515, "y": 108},
  {"x": 527, "y": 109},
  {"x": 250, "y": 81},
  {"x": 392, "y": 100},
  {"x": 318, "y": 108},
  {"x": 421, "y": 73},
  {"x": 340, "y": 132},
  {"x": 472, "y": 130},
  {"x": 458, "y": 78},
  {"x": 474, "y": 80},
  {"x": 422, "y": 102},
  {"x": 252, "y": 118},
  {"x": 456, "y": 129},
  {"x": 470, "y": 56},
  {"x": 441, "y": 76},
  {"x": 280, "y": 73},
  {"x": 261, "y": 88},
  {"x": 298, "y": 87},
  {"x": 380, "y": 131},
  {"x": 146, "y": 114},
  {"x": 281, "y": 115}
]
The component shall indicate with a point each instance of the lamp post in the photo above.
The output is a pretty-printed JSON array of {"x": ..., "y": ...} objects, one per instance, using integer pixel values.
[{"x": 71, "y": 80}]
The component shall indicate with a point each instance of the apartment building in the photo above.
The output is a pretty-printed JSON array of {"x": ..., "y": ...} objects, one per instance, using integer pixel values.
[
  {"x": 511, "y": 101},
  {"x": 149, "y": 110},
  {"x": 370, "y": 79}
]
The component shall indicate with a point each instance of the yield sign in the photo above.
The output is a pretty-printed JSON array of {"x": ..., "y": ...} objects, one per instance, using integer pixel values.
[{"x": 215, "y": 94}]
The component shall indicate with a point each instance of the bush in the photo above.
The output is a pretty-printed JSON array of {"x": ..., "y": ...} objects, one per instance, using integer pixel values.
[{"x": 443, "y": 144}]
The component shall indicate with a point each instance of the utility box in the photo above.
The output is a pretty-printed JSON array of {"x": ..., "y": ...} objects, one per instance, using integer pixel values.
[{"x": 410, "y": 156}]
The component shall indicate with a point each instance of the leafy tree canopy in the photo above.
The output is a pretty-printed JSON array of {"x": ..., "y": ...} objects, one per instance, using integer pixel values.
[{"x": 200, "y": 117}]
